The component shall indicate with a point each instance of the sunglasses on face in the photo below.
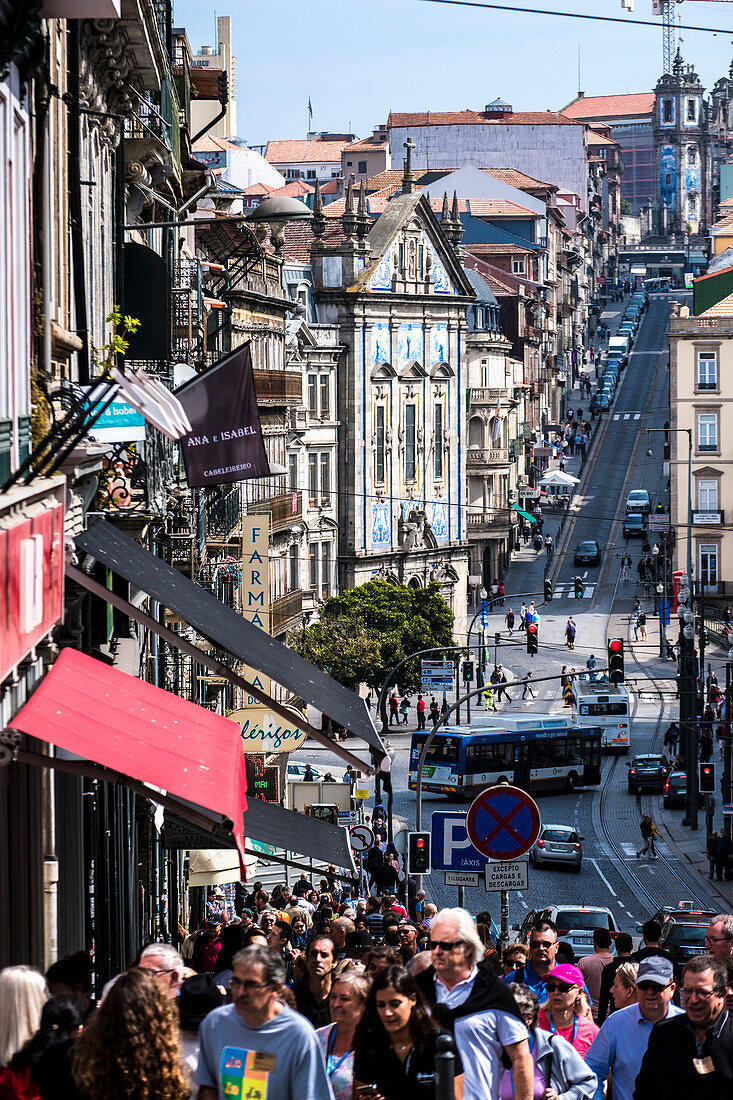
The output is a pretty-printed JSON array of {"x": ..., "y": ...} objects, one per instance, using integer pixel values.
[
  {"x": 559, "y": 987},
  {"x": 547, "y": 944},
  {"x": 444, "y": 945}
]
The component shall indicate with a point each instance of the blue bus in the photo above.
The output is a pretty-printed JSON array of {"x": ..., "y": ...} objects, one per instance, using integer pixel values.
[{"x": 538, "y": 753}]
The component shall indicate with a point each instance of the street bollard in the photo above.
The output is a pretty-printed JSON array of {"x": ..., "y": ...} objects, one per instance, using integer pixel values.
[{"x": 445, "y": 1069}]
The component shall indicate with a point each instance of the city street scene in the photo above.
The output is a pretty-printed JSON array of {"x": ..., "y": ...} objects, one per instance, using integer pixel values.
[{"x": 366, "y": 609}]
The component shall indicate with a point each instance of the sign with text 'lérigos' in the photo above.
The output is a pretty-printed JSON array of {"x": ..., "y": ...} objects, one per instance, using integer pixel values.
[
  {"x": 450, "y": 848},
  {"x": 506, "y": 875}
]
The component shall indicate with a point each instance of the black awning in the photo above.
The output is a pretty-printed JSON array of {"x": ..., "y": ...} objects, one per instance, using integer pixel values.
[{"x": 225, "y": 628}]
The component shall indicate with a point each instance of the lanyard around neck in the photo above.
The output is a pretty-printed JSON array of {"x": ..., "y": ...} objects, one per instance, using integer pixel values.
[{"x": 344, "y": 1056}]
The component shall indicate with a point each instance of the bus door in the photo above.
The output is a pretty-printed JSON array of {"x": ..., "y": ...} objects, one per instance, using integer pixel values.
[{"x": 521, "y": 766}]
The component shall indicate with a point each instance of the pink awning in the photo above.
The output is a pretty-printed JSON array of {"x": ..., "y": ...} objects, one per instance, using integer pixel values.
[{"x": 132, "y": 727}]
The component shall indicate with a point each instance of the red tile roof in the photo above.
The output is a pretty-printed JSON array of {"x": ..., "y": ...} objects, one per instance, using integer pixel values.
[
  {"x": 515, "y": 178},
  {"x": 295, "y": 189},
  {"x": 404, "y": 119},
  {"x": 589, "y": 107},
  {"x": 299, "y": 239},
  {"x": 304, "y": 151},
  {"x": 498, "y": 249},
  {"x": 258, "y": 189},
  {"x": 391, "y": 177},
  {"x": 330, "y": 188},
  {"x": 369, "y": 143},
  {"x": 713, "y": 274},
  {"x": 498, "y": 208},
  {"x": 209, "y": 144},
  {"x": 594, "y": 138},
  {"x": 724, "y": 308}
]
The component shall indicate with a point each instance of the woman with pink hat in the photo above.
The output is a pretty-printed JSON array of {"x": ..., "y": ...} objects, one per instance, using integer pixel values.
[{"x": 567, "y": 1009}]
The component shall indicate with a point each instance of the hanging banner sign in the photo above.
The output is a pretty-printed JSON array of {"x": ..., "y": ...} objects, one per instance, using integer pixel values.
[{"x": 225, "y": 442}]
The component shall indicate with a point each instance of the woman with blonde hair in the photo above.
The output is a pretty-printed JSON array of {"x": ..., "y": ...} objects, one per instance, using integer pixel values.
[
  {"x": 623, "y": 989},
  {"x": 567, "y": 1008},
  {"x": 23, "y": 993},
  {"x": 346, "y": 1002},
  {"x": 130, "y": 1048}
]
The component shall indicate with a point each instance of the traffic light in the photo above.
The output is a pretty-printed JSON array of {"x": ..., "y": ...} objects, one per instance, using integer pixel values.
[
  {"x": 616, "y": 661},
  {"x": 532, "y": 638},
  {"x": 578, "y": 582},
  {"x": 418, "y": 853},
  {"x": 468, "y": 671},
  {"x": 707, "y": 778},
  {"x": 548, "y": 591}
]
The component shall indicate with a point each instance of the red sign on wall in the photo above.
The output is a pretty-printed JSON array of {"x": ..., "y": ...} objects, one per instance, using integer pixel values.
[{"x": 31, "y": 583}]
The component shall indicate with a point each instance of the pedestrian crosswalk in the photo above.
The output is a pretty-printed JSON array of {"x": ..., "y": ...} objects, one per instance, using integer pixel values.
[
  {"x": 568, "y": 589},
  {"x": 627, "y": 415}
]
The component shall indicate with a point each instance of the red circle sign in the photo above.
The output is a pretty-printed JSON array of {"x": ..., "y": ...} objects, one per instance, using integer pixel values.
[{"x": 503, "y": 822}]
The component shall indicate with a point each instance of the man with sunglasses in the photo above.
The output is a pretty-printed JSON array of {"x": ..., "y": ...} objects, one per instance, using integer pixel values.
[
  {"x": 467, "y": 998},
  {"x": 622, "y": 1041},
  {"x": 719, "y": 944},
  {"x": 257, "y": 1046},
  {"x": 691, "y": 1057},
  {"x": 542, "y": 955}
]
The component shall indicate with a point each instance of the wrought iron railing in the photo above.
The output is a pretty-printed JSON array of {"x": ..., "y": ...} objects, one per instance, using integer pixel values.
[{"x": 223, "y": 512}]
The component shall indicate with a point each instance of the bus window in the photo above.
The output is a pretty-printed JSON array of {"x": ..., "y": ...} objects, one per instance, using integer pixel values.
[{"x": 575, "y": 755}]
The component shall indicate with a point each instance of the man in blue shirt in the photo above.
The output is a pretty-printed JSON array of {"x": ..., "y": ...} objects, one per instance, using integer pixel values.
[
  {"x": 621, "y": 1043},
  {"x": 542, "y": 954}
]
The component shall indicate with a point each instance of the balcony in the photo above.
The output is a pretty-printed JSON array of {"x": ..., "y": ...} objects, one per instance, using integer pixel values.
[
  {"x": 223, "y": 514},
  {"x": 283, "y": 510},
  {"x": 278, "y": 387},
  {"x": 151, "y": 136},
  {"x": 482, "y": 395},
  {"x": 479, "y": 522},
  {"x": 286, "y": 612},
  {"x": 487, "y": 456}
]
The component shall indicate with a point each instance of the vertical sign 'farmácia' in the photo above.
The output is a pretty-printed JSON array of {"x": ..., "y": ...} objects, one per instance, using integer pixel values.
[{"x": 225, "y": 442}]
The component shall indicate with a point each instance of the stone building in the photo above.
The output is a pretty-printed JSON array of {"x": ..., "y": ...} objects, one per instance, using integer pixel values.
[{"x": 681, "y": 145}]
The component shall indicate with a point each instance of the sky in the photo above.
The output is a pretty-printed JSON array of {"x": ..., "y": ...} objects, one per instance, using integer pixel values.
[{"x": 359, "y": 59}]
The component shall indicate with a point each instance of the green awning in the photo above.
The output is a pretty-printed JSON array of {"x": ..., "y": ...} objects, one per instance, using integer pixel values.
[{"x": 522, "y": 512}]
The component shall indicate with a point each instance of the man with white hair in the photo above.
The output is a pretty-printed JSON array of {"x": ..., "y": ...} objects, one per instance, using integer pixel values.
[
  {"x": 165, "y": 964},
  {"x": 467, "y": 998}
]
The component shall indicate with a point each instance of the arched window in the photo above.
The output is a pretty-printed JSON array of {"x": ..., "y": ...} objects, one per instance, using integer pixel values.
[
  {"x": 475, "y": 432},
  {"x": 691, "y": 154}
]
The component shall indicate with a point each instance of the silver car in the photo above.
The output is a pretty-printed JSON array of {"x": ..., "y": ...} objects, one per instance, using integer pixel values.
[{"x": 558, "y": 844}]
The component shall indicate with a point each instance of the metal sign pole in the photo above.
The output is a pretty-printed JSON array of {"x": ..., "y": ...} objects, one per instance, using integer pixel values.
[
  {"x": 504, "y": 933},
  {"x": 461, "y": 897}
]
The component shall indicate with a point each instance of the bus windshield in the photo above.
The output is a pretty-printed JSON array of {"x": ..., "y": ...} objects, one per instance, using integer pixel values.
[
  {"x": 444, "y": 750},
  {"x": 596, "y": 710}
]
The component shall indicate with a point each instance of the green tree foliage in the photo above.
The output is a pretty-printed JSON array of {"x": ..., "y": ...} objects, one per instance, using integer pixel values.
[
  {"x": 625, "y": 206},
  {"x": 343, "y": 648},
  {"x": 398, "y": 621}
]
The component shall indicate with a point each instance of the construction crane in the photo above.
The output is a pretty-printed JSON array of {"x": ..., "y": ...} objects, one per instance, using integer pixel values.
[{"x": 665, "y": 8}]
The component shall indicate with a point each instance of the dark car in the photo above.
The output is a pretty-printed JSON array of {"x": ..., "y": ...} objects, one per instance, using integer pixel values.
[
  {"x": 636, "y": 524},
  {"x": 684, "y": 938},
  {"x": 685, "y": 911},
  {"x": 674, "y": 790},
  {"x": 587, "y": 553},
  {"x": 648, "y": 772}
]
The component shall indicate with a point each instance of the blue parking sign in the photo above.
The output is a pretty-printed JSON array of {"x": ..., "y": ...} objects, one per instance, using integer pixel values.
[{"x": 450, "y": 848}]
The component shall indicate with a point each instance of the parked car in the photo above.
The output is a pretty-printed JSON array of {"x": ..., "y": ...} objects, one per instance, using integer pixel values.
[
  {"x": 557, "y": 844},
  {"x": 602, "y": 400},
  {"x": 674, "y": 790},
  {"x": 636, "y": 524},
  {"x": 638, "y": 500},
  {"x": 684, "y": 911},
  {"x": 587, "y": 552},
  {"x": 296, "y": 770},
  {"x": 574, "y": 923},
  {"x": 648, "y": 772},
  {"x": 684, "y": 937}
]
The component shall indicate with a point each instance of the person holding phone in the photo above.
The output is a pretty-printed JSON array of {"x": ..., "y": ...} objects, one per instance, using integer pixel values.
[{"x": 396, "y": 1043}]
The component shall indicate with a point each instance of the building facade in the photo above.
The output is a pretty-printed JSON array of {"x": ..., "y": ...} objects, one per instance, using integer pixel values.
[{"x": 681, "y": 147}]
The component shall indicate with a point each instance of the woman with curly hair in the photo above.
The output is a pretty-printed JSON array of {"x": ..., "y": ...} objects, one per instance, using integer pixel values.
[{"x": 130, "y": 1048}]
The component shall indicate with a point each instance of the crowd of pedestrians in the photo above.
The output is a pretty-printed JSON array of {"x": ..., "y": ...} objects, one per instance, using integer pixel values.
[{"x": 373, "y": 994}]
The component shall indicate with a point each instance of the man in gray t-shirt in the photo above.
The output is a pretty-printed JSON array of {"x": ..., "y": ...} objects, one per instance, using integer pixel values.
[{"x": 257, "y": 1048}]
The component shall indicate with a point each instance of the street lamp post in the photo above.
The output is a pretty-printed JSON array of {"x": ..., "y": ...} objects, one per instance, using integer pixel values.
[{"x": 688, "y": 686}]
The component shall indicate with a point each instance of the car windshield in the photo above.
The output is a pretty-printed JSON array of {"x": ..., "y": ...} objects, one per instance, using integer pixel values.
[
  {"x": 638, "y": 494},
  {"x": 649, "y": 762},
  {"x": 562, "y": 836},
  {"x": 587, "y": 547},
  {"x": 579, "y": 918},
  {"x": 688, "y": 933}
]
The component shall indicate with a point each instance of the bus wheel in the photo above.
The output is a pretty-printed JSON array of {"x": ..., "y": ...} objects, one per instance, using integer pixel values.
[{"x": 572, "y": 782}]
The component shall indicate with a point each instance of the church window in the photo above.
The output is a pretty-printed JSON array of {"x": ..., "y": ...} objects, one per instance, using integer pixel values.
[
  {"x": 379, "y": 445},
  {"x": 438, "y": 440},
  {"x": 420, "y": 254},
  {"x": 410, "y": 442},
  {"x": 691, "y": 112},
  {"x": 692, "y": 155},
  {"x": 666, "y": 110}
]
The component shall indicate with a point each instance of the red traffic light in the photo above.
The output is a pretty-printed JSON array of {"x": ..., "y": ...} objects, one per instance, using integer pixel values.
[
  {"x": 707, "y": 771},
  {"x": 532, "y": 628},
  {"x": 615, "y": 646},
  {"x": 420, "y": 843}
]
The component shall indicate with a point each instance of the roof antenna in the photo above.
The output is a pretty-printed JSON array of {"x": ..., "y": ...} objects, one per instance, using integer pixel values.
[{"x": 580, "y": 83}]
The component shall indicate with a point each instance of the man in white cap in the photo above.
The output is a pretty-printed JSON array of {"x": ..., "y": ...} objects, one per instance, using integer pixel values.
[{"x": 620, "y": 1045}]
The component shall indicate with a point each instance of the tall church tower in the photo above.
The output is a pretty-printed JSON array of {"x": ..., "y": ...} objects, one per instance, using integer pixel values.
[{"x": 681, "y": 148}]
